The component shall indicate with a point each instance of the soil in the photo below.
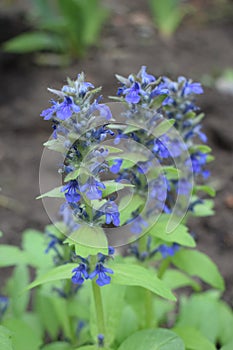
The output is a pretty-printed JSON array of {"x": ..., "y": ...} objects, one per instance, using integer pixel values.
[{"x": 129, "y": 40}]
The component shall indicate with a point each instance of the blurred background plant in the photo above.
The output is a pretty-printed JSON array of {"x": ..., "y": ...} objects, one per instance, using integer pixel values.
[
  {"x": 61, "y": 30},
  {"x": 168, "y": 15}
]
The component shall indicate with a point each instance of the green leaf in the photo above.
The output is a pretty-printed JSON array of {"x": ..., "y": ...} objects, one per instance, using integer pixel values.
[
  {"x": 135, "y": 275},
  {"x": 180, "y": 235},
  {"x": 23, "y": 336},
  {"x": 200, "y": 148},
  {"x": 163, "y": 127},
  {"x": 127, "y": 205},
  {"x": 198, "y": 264},
  {"x": 61, "y": 309},
  {"x": 55, "y": 193},
  {"x": 89, "y": 236},
  {"x": 129, "y": 159},
  {"x": 203, "y": 209},
  {"x": 73, "y": 175},
  {"x": 158, "y": 339},
  {"x": 34, "y": 245},
  {"x": 92, "y": 347},
  {"x": 56, "y": 144},
  {"x": 58, "y": 346},
  {"x": 193, "y": 339},
  {"x": 45, "y": 310},
  {"x": 112, "y": 186},
  {"x": 207, "y": 189},
  {"x": 195, "y": 313},
  {"x": 228, "y": 346},
  {"x": 31, "y": 42},
  {"x": 175, "y": 279},
  {"x": 225, "y": 316},
  {"x": 19, "y": 300},
  {"x": 56, "y": 274},
  {"x": 5, "y": 339},
  {"x": 125, "y": 329},
  {"x": 10, "y": 255}
]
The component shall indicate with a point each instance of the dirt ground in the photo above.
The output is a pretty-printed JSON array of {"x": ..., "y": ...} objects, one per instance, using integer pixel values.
[{"x": 129, "y": 40}]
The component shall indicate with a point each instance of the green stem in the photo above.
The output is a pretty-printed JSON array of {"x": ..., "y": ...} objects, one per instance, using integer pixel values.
[
  {"x": 149, "y": 309},
  {"x": 163, "y": 267},
  {"x": 98, "y": 308}
]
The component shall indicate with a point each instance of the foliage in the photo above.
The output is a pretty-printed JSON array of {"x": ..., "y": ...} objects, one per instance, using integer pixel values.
[
  {"x": 87, "y": 295},
  {"x": 168, "y": 15},
  {"x": 66, "y": 28}
]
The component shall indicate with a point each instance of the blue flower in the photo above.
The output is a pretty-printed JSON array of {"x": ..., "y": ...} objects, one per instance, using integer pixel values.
[
  {"x": 72, "y": 196},
  {"x": 160, "y": 149},
  {"x": 49, "y": 113},
  {"x": 166, "y": 250},
  {"x": 103, "y": 109},
  {"x": 80, "y": 274},
  {"x": 133, "y": 93},
  {"x": 159, "y": 188},
  {"x": 4, "y": 302},
  {"x": 184, "y": 188},
  {"x": 111, "y": 211},
  {"x": 189, "y": 87},
  {"x": 67, "y": 108},
  {"x": 62, "y": 110},
  {"x": 137, "y": 225},
  {"x": 52, "y": 243},
  {"x": 159, "y": 90},
  {"x": 115, "y": 168},
  {"x": 92, "y": 188},
  {"x": 145, "y": 77},
  {"x": 196, "y": 131},
  {"x": 101, "y": 271},
  {"x": 100, "y": 340},
  {"x": 198, "y": 161}
]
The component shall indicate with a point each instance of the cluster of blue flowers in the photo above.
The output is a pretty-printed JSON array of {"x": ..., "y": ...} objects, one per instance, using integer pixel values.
[
  {"x": 81, "y": 273},
  {"x": 163, "y": 249},
  {"x": 81, "y": 123}
]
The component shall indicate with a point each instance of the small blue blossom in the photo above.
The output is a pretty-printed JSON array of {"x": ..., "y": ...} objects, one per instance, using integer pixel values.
[
  {"x": 67, "y": 108},
  {"x": 54, "y": 241},
  {"x": 115, "y": 168},
  {"x": 133, "y": 94},
  {"x": 62, "y": 110},
  {"x": 111, "y": 250},
  {"x": 101, "y": 273},
  {"x": 145, "y": 77},
  {"x": 185, "y": 187},
  {"x": 196, "y": 131},
  {"x": 49, "y": 112},
  {"x": 198, "y": 161},
  {"x": 4, "y": 302},
  {"x": 160, "y": 149},
  {"x": 111, "y": 211},
  {"x": 92, "y": 188},
  {"x": 103, "y": 109},
  {"x": 70, "y": 189},
  {"x": 161, "y": 89},
  {"x": 159, "y": 188},
  {"x": 80, "y": 274},
  {"x": 167, "y": 251},
  {"x": 100, "y": 340},
  {"x": 137, "y": 225},
  {"x": 189, "y": 87}
]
